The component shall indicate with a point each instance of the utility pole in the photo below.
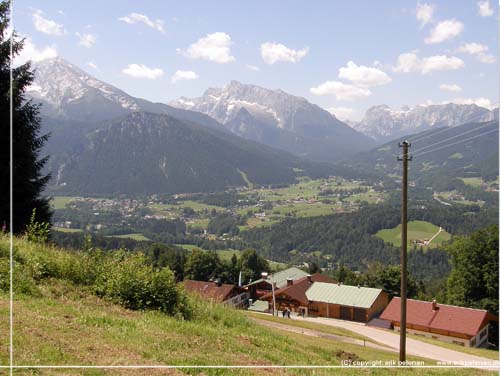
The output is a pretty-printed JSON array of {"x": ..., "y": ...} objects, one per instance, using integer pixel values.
[{"x": 404, "y": 253}]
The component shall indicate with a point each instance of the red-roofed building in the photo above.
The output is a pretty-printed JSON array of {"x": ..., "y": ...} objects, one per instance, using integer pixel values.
[
  {"x": 230, "y": 295},
  {"x": 293, "y": 295},
  {"x": 463, "y": 326}
]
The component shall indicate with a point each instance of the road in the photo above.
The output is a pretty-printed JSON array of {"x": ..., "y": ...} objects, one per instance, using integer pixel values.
[
  {"x": 317, "y": 333},
  {"x": 413, "y": 346}
]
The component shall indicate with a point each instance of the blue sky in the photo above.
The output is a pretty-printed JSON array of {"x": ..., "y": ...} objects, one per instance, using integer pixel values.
[{"x": 345, "y": 56}]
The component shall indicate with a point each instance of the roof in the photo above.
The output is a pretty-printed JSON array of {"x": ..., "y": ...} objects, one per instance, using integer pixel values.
[
  {"x": 446, "y": 317},
  {"x": 209, "y": 290},
  {"x": 259, "y": 306},
  {"x": 362, "y": 297},
  {"x": 281, "y": 277},
  {"x": 297, "y": 291}
]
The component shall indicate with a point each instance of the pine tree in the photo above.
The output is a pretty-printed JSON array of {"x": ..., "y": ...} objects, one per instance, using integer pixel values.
[{"x": 28, "y": 179}]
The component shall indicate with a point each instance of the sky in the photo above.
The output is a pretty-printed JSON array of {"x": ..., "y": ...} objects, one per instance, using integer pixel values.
[{"x": 344, "y": 56}]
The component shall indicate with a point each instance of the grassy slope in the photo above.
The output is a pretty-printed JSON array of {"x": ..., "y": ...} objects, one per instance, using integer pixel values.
[
  {"x": 65, "y": 324},
  {"x": 417, "y": 230}
]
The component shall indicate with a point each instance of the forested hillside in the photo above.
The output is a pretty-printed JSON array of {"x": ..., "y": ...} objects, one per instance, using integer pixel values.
[
  {"x": 149, "y": 153},
  {"x": 349, "y": 237},
  {"x": 465, "y": 150}
]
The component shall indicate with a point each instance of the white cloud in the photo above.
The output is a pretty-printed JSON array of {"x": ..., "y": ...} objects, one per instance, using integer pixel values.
[
  {"x": 342, "y": 113},
  {"x": 486, "y": 58},
  {"x": 45, "y": 25},
  {"x": 31, "y": 52},
  {"x": 213, "y": 47},
  {"x": 472, "y": 48},
  {"x": 253, "y": 67},
  {"x": 481, "y": 102},
  {"x": 273, "y": 52},
  {"x": 92, "y": 65},
  {"x": 424, "y": 13},
  {"x": 479, "y": 50},
  {"x": 410, "y": 62},
  {"x": 450, "y": 87},
  {"x": 86, "y": 40},
  {"x": 484, "y": 9},
  {"x": 444, "y": 30},
  {"x": 184, "y": 75},
  {"x": 134, "y": 18},
  {"x": 142, "y": 71},
  {"x": 342, "y": 91},
  {"x": 363, "y": 76}
]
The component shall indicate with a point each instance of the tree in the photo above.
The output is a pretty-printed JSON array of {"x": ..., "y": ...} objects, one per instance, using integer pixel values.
[
  {"x": 28, "y": 179},
  {"x": 473, "y": 281},
  {"x": 201, "y": 265},
  {"x": 252, "y": 265}
]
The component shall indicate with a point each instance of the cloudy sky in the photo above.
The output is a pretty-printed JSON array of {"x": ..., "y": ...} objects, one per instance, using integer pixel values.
[{"x": 345, "y": 56}]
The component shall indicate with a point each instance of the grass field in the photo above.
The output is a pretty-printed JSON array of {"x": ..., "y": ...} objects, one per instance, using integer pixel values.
[
  {"x": 224, "y": 254},
  {"x": 417, "y": 230},
  {"x": 475, "y": 182},
  {"x": 196, "y": 206},
  {"x": 137, "y": 236},
  {"x": 68, "y": 230},
  {"x": 446, "y": 196},
  {"x": 60, "y": 202}
]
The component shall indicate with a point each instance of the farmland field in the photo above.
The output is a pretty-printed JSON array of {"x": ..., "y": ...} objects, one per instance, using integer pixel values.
[
  {"x": 196, "y": 206},
  {"x": 475, "y": 182},
  {"x": 417, "y": 230},
  {"x": 224, "y": 254},
  {"x": 138, "y": 237},
  {"x": 60, "y": 202},
  {"x": 63, "y": 229}
]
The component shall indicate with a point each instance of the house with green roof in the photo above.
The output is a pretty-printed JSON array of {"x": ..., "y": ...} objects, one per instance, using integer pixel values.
[{"x": 339, "y": 301}]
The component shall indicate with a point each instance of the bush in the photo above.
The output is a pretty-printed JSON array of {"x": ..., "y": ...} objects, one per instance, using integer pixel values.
[
  {"x": 128, "y": 280},
  {"x": 123, "y": 277}
]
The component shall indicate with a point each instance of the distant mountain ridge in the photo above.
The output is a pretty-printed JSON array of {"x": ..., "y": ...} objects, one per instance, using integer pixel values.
[
  {"x": 383, "y": 123},
  {"x": 278, "y": 119},
  {"x": 67, "y": 92}
]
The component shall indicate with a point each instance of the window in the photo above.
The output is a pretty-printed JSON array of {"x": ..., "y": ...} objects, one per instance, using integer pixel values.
[
  {"x": 459, "y": 343},
  {"x": 473, "y": 342}
]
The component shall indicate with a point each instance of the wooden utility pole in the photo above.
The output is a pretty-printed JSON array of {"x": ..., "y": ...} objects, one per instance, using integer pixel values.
[{"x": 404, "y": 253}]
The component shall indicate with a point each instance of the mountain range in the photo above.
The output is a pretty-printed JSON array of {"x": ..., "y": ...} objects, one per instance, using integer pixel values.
[
  {"x": 104, "y": 140},
  {"x": 383, "y": 124},
  {"x": 278, "y": 119}
]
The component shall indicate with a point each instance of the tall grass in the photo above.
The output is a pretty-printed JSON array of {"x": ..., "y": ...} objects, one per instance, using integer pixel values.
[{"x": 123, "y": 277}]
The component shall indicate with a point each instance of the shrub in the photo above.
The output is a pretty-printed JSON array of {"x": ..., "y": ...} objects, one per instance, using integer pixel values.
[
  {"x": 127, "y": 279},
  {"x": 37, "y": 232},
  {"x": 123, "y": 277}
]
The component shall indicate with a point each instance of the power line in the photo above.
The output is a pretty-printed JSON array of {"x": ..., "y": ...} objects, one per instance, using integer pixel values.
[
  {"x": 455, "y": 143},
  {"x": 469, "y": 120},
  {"x": 451, "y": 138}
]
